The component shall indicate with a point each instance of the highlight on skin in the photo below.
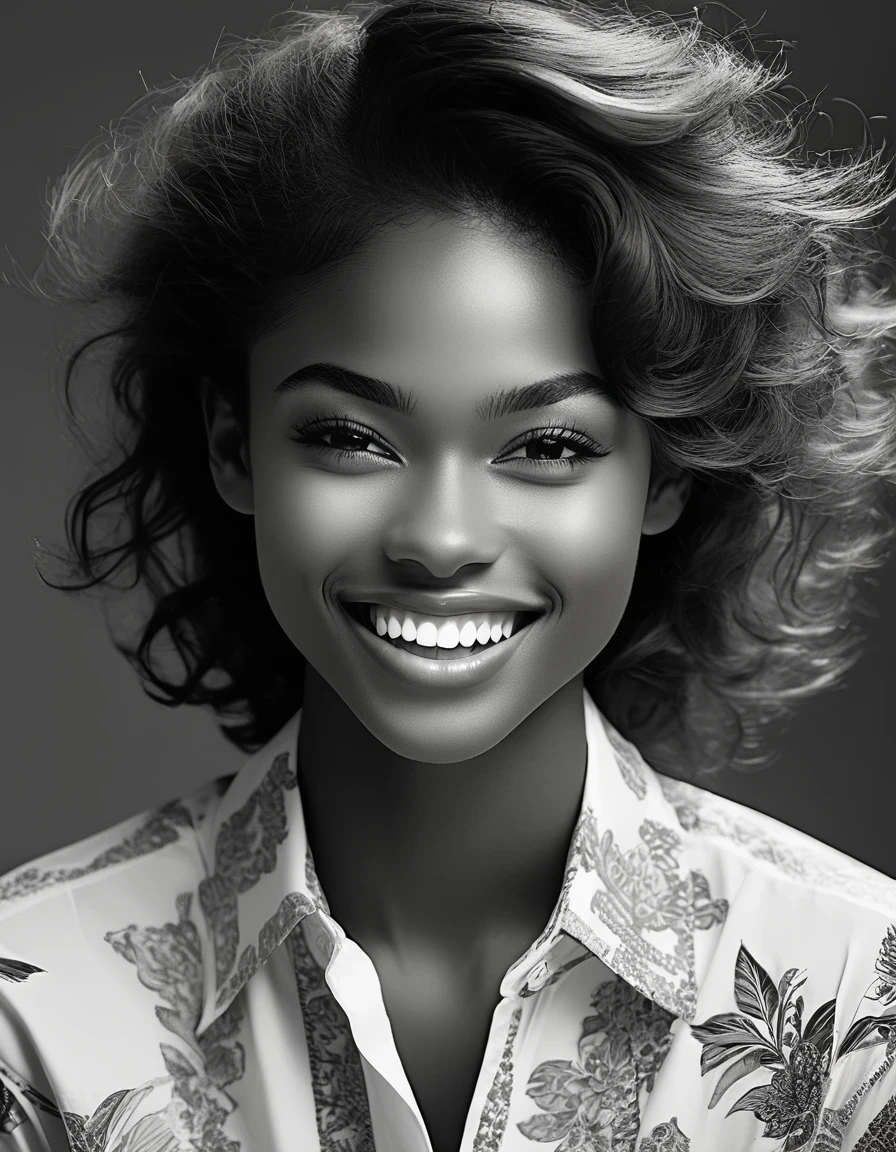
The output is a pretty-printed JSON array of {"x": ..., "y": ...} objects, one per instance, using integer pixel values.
[{"x": 741, "y": 305}]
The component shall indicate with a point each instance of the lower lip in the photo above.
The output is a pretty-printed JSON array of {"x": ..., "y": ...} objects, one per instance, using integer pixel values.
[{"x": 438, "y": 673}]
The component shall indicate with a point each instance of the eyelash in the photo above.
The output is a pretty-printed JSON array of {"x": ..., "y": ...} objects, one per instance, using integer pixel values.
[{"x": 568, "y": 435}]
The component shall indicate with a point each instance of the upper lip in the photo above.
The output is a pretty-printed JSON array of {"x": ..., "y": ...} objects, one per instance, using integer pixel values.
[{"x": 459, "y": 602}]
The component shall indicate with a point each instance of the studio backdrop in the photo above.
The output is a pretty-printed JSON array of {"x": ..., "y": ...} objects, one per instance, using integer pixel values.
[{"x": 84, "y": 747}]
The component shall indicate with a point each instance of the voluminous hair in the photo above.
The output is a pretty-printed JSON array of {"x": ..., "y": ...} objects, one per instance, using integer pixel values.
[{"x": 741, "y": 301}]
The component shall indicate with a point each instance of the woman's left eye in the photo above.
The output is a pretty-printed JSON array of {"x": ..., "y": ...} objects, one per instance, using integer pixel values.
[{"x": 557, "y": 440}]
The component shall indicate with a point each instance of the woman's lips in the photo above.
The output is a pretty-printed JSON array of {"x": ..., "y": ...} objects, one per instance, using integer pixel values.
[{"x": 455, "y": 674}]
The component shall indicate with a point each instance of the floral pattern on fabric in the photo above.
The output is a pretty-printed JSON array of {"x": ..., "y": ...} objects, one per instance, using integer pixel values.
[
  {"x": 666, "y": 1137},
  {"x": 493, "y": 1121},
  {"x": 644, "y": 891},
  {"x": 130, "y": 1073},
  {"x": 110, "y": 1128},
  {"x": 866, "y": 1032},
  {"x": 245, "y": 850},
  {"x": 169, "y": 962},
  {"x": 881, "y": 1133},
  {"x": 772, "y": 1035},
  {"x": 292, "y": 908},
  {"x": 885, "y": 967},
  {"x": 337, "y": 1078},
  {"x": 162, "y": 827},
  {"x": 16, "y": 971},
  {"x": 631, "y": 764},
  {"x": 313, "y": 883},
  {"x": 592, "y": 1104},
  {"x": 707, "y": 815}
]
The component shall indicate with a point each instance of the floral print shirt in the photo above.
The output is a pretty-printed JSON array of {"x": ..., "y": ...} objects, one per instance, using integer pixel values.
[{"x": 709, "y": 981}]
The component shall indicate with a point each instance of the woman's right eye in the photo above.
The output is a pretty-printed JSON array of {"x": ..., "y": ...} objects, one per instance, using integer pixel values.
[{"x": 313, "y": 433}]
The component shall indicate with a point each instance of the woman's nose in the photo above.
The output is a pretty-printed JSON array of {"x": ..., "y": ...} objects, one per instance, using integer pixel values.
[{"x": 444, "y": 521}]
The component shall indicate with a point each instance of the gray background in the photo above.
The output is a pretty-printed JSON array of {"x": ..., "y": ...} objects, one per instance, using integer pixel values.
[{"x": 84, "y": 747}]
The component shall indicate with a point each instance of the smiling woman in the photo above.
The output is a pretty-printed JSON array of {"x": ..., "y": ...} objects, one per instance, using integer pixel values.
[
  {"x": 450, "y": 324},
  {"x": 520, "y": 401}
]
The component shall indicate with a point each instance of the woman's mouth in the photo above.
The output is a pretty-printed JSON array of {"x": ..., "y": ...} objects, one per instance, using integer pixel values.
[{"x": 361, "y": 612}]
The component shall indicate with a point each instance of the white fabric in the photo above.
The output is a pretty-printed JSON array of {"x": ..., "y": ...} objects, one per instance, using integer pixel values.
[{"x": 176, "y": 984}]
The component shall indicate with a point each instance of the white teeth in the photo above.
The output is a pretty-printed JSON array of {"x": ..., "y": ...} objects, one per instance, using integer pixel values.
[
  {"x": 467, "y": 635},
  {"x": 444, "y": 632}
]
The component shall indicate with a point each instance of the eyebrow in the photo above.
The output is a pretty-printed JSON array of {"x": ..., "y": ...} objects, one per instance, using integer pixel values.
[{"x": 503, "y": 402}]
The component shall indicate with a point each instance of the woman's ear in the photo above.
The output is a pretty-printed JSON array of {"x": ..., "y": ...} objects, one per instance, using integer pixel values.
[
  {"x": 666, "y": 499},
  {"x": 228, "y": 451}
]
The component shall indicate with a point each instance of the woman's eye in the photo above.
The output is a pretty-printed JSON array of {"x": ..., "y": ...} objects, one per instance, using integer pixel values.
[{"x": 563, "y": 447}]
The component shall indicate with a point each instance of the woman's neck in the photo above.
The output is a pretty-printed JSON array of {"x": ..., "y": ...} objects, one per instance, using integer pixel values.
[{"x": 413, "y": 854}]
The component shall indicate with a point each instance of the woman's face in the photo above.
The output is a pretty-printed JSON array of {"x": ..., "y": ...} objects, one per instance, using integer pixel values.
[{"x": 444, "y": 498}]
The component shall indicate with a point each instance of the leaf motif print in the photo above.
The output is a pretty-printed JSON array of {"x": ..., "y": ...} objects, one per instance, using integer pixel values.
[
  {"x": 728, "y": 1034},
  {"x": 152, "y": 1134},
  {"x": 753, "y": 1101},
  {"x": 16, "y": 971},
  {"x": 117, "y": 1106},
  {"x": 819, "y": 1028},
  {"x": 107, "y": 1129},
  {"x": 867, "y": 1032},
  {"x": 885, "y": 967},
  {"x": 870, "y": 1030},
  {"x": 791, "y": 1010},
  {"x": 734, "y": 1072},
  {"x": 753, "y": 990},
  {"x": 790, "y": 1104}
]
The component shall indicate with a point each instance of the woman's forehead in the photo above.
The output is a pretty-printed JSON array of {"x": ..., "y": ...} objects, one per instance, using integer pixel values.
[{"x": 432, "y": 284}]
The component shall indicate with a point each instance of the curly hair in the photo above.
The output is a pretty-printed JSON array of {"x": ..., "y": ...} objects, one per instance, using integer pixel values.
[{"x": 741, "y": 304}]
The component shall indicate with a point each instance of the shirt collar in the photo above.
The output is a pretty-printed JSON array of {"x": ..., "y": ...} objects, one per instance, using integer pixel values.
[{"x": 632, "y": 895}]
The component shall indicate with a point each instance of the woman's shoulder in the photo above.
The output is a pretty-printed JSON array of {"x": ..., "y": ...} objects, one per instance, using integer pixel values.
[
  {"x": 111, "y": 857},
  {"x": 66, "y": 919},
  {"x": 744, "y": 840}
]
